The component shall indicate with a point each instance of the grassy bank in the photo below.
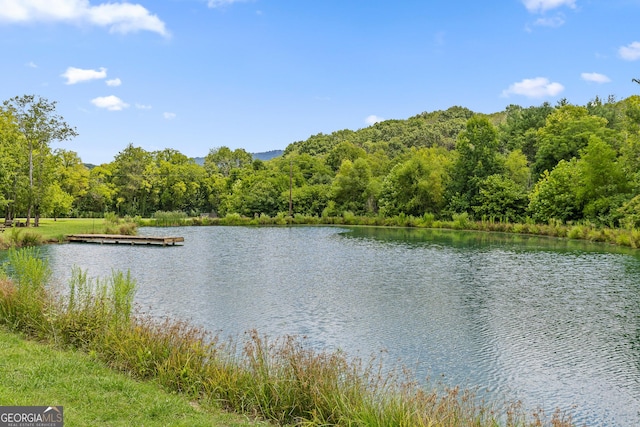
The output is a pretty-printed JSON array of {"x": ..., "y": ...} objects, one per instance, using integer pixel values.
[
  {"x": 278, "y": 380},
  {"x": 92, "y": 394},
  {"x": 51, "y": 230},
  {"x": 579, "y": 231},
  {"x": 55, "y": 230}
]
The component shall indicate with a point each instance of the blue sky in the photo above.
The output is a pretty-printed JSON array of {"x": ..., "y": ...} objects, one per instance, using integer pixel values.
[{"x": 193, "y": 75}]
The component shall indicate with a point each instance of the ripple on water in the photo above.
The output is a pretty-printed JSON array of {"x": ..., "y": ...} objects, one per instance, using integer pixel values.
[{"x": 538, "y": 321}]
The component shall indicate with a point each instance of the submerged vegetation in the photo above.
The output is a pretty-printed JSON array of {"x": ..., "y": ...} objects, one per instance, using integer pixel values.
[{"x": 279, "y": 380}]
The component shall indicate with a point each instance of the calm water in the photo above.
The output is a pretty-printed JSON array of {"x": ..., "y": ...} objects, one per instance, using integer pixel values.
[{"x": 548, "y": 322}]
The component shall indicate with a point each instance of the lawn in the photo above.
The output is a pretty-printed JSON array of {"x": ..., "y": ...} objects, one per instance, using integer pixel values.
[{"x": 34, "y": 374}]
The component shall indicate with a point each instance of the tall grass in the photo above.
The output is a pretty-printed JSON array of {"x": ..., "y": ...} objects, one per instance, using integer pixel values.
[
  {"x": 279, "y": 380},
  {"x": 169, "y": 219}
]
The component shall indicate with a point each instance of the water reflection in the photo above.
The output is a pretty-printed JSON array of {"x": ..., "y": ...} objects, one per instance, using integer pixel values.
[{"x": 550, "y": 322}]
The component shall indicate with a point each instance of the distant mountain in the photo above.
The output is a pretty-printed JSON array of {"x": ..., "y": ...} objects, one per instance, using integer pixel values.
[{"x": 267, "y": 155}]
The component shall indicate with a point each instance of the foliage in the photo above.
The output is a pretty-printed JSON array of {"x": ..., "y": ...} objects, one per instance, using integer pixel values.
[
  {"x": 572, "y": 163},
  {"x": 477, "y": 158},
  {"x": 417, "y": 186},
  {"x": 36, "y": 127},
  {"x": 501, "y": 198},
  {"x": 555, "y": 196},
  {"x": 567, "y": 130}
]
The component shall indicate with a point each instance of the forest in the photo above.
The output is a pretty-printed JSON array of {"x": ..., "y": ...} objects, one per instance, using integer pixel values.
[{"x": 560, "y": 163}]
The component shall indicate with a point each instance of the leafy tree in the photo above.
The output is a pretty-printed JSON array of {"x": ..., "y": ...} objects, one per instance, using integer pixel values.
[
  {"x": 311, "y": 199},
  {"x": 101, "y": 191},
  {"x": 39, "y": 126},
  {"x": 610, "y": 110},
  {"x": 224, "y": 160},
  {"x": 262, "y": 192},
  {"x": 417, "y": 186},
  {"x": 72, "y": 175},
  {"x": 179, "y": 181},
  {"x": 344, "y": 151},
  {"x": 132, "y": 174},
  {"x": 478, "y": 158},
  {"x": 566, "y": 132},
  {"x": 501, "y": 198},
  {"x": 603, "y": 180},
  {"x": 555, "y": 196},
  {"x": 519, "y": 129},
  {"x": 57, "y": 202},
  {"x": 517, "y": 168},
  {"x": 351, "y": 187},
  {"x": 11, "y": 160}
]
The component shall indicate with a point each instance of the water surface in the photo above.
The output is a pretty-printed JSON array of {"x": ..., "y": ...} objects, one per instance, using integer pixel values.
[{"x": 549, "y": 322}]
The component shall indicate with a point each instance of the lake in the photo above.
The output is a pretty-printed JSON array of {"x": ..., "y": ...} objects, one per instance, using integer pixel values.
[{"x": 549, "y": 322}]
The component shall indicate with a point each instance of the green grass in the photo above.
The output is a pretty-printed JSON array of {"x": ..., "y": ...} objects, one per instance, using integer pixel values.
[
  {"x": 92, "y": 394},
  {"x": 51, "y": 230}
]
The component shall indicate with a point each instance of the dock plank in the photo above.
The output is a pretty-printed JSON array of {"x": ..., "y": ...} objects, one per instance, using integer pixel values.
[{"x": 124, "y": 239}]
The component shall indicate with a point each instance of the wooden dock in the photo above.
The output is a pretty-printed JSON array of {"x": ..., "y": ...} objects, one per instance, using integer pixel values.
[{"x": 125, "y": 240}]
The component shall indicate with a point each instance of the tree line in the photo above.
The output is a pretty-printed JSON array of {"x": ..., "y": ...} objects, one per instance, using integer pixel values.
[{"x": 564, "y": 163}]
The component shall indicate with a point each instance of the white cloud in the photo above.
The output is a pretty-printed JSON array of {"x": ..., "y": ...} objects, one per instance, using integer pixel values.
[
  {"x": 111, "y": 103},
  {"x": 114, "y": 82},
  {"x": 118, "y": 17},
  {"x": 220, "y": 3},
  {"x": 538, "y": 87},
  {"x": 169, "y": 116},
  {"x": 76, "y": 75},
  {"x": 554, "y": 22},
  {"x": 630, "y": 52},
  {"x": 31, "y": 64},
  {"x": 595, "y": 77},
  {"x": 143, "y": 107},
  {"x": 541, "y": 6},
  {"x": 373, "y": 119}
]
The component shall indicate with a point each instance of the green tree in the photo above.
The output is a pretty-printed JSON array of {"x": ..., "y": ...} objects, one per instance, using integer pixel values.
[
  {"x": 11, "y": 160},
  {"x": 477, "y": 158},
  {"x": 517, "y": 168},
  {"x": 133, "y": 172},
  {"x": 351, "y": 188},
  {"x": 260, "y": 192},
  {"x": 179, "y": 183},
  {"x": 501, "y": 198},
  {"x": 603, "y": 183},
  {"x": 344, "y": 151},
  {"x": 223, "y": 160},
  {"x": 417, "y": 186},
  {"x": 58, "y": 202},
  {"x": 566, "y": 132},
  {"x": 72, "y": 175},
  {"x": 519, "y": 129},
  {"x": 555, "y": 196},
  {"x": 39, "y": 126}
]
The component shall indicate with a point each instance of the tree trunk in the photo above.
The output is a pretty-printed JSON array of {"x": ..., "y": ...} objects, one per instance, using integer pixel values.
[{"x": 30, "y": 196}]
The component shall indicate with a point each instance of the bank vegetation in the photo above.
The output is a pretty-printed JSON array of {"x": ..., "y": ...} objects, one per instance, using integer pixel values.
[{"x": 565, "y": 170}]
